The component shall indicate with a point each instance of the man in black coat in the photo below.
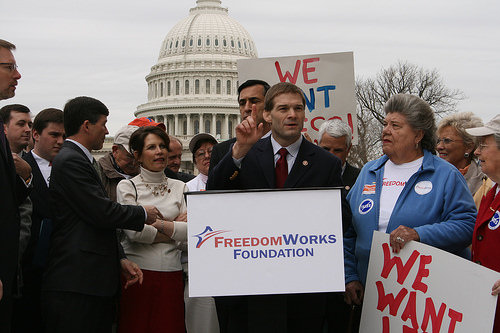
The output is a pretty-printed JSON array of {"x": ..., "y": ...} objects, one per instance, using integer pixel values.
[
  {"x": 48, "y": 135},
  {"x": 335, "y": 137},
  {"x": 282, "y": 160},
  {"x": 13, "y": 193},
  {"x": 174, "y": 160},
  {"x": 82, "y": 275},
  {"x": 251, "y": 94}
]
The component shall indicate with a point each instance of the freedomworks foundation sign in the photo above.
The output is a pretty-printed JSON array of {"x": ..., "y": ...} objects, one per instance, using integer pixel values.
[
  {"x": 265, "y": 242},
  {"x": 268, "y": 247}
]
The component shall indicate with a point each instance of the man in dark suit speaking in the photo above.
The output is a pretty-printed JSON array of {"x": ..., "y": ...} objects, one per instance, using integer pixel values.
[
  {"x": 282, "y": 160},
  {"x": 82, "y": 274}
]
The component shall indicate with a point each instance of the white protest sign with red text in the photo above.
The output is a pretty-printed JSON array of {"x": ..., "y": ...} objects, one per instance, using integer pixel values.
[
  {"x": 424, "y": 289},
  {"x": 327, "y": 81}
]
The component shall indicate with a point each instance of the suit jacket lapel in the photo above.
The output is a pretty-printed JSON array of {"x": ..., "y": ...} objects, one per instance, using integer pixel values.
[
  {"x": 266, "y": 160},
  {"x": 38, "y": 179},
  {"x": 301, "y": 165},
  {"x": 71, "y": 145}
]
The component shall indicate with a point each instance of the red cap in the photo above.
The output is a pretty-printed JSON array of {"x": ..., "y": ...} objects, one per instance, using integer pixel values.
[{"x": 141, "y": 122}]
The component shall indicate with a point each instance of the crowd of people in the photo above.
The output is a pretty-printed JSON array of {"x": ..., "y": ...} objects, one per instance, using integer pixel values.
[{"x": 98, "y": 246}]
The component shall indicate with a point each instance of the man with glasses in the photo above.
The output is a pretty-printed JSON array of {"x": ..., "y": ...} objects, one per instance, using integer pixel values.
[
  {"x": 13, "y": 192},
  {"x": 9, "y": 75}
]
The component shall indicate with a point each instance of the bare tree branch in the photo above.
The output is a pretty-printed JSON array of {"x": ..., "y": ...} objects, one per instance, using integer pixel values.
[{"x": 372, "y": 93}]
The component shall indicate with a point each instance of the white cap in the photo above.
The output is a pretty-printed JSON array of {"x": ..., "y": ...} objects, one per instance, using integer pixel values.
[{"x": 491, "y": 127}]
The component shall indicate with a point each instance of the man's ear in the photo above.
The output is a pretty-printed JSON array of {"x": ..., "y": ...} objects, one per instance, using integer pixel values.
[
  {"x": 35, "y": 134},
  {"x": 85, "y": 126},
  {"x": 267, "y": 116},
  {"x": 349, "y": 149}
]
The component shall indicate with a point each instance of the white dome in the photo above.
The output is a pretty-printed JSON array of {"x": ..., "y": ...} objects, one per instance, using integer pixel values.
[
  {"x": 208, "y": 30},
  {"x": 193, "y": 86}
]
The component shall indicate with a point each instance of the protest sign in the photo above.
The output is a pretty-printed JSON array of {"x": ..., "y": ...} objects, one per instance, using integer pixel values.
[
  {"x": 327, "y": 81},
  {"x": 265, "y": 242},
  {"x": 424, "y": 289}
]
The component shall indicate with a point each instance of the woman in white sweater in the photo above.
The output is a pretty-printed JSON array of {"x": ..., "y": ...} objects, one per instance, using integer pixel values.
[{"x": 156, "y": 305}]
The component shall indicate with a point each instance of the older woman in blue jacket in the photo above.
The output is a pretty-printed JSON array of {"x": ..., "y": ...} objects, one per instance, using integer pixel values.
[{"x": 409, "y": 193}]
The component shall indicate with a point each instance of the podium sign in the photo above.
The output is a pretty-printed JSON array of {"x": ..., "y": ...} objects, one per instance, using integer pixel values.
[{"x": 265, "y": 242}]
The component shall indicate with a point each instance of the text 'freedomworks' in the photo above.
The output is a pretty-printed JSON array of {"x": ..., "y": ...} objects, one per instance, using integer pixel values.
[{"x": 280, "y": 246}]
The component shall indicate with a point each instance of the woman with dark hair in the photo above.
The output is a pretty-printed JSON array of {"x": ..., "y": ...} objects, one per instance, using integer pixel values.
[
  {"x": 409, "y": 193},
  {"x": 158, "y": 304}
]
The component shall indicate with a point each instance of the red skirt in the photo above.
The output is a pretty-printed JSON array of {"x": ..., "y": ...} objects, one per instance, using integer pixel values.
[{"x": 155, "y": 306}]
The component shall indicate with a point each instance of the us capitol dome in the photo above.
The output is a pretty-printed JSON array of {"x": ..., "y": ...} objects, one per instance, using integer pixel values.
[{"x": 193, "y": 86}]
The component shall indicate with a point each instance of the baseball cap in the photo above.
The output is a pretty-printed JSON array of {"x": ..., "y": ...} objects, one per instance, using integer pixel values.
[
  {"x": 491, "y": 127},
  {"x": 144, "y": 121},
  {"x": 122, "y": 136},
  {"x": 197, "y": 138}
]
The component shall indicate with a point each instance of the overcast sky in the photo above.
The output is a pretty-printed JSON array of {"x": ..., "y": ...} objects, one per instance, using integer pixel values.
[{"x": 105, "y": 48}]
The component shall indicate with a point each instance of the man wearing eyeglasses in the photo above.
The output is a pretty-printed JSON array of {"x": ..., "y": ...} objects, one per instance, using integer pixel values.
[
  {"x": 9, "y": 75},
  {"x": 13, "y": 192}
]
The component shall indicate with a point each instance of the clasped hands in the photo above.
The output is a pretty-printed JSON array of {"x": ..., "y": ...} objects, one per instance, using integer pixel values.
[{"x": 167, "y": 227}]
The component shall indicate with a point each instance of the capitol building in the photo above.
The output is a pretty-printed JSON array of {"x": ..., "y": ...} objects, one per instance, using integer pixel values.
[{"x": 193, "y": 86}]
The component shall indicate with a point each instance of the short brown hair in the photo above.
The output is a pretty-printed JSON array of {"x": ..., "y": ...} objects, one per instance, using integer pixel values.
[
  {"x": 44, "y": 117},
  {"x": 5, "y": 112},
  {"x": 279, "y": 89},
  {"x": 7, "y": 45},
  {"x": 137, "y": 138}
]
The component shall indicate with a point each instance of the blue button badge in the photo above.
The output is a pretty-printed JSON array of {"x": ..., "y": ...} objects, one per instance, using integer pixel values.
[
  {"x": 495, "y": 221},
  {"x": 365, "y": 206}
]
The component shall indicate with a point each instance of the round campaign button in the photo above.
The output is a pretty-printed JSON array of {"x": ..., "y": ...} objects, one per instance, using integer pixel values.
[
  {"x": 365, "y": 206},
  {"x": 423, "y": 187},
  {"x": 495, "y": 221}
]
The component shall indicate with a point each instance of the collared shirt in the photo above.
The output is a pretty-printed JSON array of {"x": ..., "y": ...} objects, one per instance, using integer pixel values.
[
  {"x": 198, "y": 183},
  {"x": 85, "y": 150},
  {"x": 44, "y": 166},
  {"x": 292, "y": 149}
]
